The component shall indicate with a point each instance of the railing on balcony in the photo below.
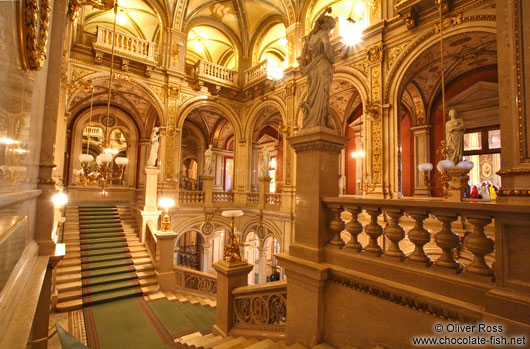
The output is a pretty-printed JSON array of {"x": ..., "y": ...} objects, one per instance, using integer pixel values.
[
  {"x": 273, "y": 199},
  {"x": 195, "y": 281},
  {"x": 191, "y": 197},
  {"x": 261, "y": 308},
  {"x": 126, "y": 46},
  {"x": 252, "y": 198},
  {"x": 222, "y": 197},
  {"x": 256, "y": 73},
  {"x": 216, "y": 73},
  {"x": 151, "y": 240}
]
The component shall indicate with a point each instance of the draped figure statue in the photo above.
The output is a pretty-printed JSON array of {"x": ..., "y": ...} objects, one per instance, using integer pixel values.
[
  {"x": 317, "y": 63},
  {"x": 264, "y": 162},
  {"x": 153, "y": 150},
  {"x": 454, "y": 136},
  {"x": 208, "y": 161}
]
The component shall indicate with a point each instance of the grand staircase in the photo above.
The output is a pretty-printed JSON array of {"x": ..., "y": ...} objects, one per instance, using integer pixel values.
[{"x": 104, "y": 258}]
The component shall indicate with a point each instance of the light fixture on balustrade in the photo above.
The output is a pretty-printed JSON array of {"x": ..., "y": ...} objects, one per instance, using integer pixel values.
[
  {"x": 166, "y": 203},
  {"x": 101, "y": 171},
  {"x": 451, "y": 176},
  {"x": 232, "y": 254}
]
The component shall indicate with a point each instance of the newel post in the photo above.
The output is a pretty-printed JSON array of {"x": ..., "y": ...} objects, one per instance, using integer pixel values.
[{"x": 165, "y": 274}]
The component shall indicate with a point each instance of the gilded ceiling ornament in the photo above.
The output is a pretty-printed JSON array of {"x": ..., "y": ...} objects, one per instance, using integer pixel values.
[
  {"x": 173, "y": 90},
  {"x": 448, "y": 22},
  {"x": 374, "y": 54},
  {"x": 75, "y": 5},
  {"x": 35, "y": 16},
  {"x": 373, "y": 110}
]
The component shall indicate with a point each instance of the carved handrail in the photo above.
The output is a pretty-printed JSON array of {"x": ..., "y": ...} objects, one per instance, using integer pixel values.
[
  {"x": 191, "y": 197},
  {"x": 195, "y": 280},
  {"x": 216, "y": 73},
  {"x": 256, "y": 73},
  {"x": 261, "y": 307},
  {"x": 126, "y": 46},
  {"x": 222, "y": 197},
  {"x": 151, "y": 240}
]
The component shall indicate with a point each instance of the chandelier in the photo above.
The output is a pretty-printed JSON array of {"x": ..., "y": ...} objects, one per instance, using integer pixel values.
[{"x": 102, "y": 172}]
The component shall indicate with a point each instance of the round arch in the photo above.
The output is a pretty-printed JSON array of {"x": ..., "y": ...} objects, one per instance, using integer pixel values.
[{"x": 253, "y": 114}]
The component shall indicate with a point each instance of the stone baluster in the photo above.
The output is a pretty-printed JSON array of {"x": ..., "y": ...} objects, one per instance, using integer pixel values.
[
  {"x": 354, "y": 227},
  {"x": 419, "y": 236},
  {"x": 395, "y": 233},
  {"x": 480, "y": 245},
  {"x": 374, "y": 231},
  {"x": 336, "y": 225},
  {"x": 447, "y": 240}
]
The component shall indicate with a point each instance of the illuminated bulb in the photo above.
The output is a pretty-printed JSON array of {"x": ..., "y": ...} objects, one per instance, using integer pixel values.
[
  {"x": 166, "y": 203},
  {"x": 121, "y": 19},
  {"x": 351, "y": 33},
  {"x": 354, "y": 155},
  {"x": 273, "y": 163},
  {"x": 361, "y": 153},
  {"x": 274, "y": 71},
  {"x": 114, "y": 151},
  {"x": 60, "y": 199},
  {"x": 107, "y": 150}
]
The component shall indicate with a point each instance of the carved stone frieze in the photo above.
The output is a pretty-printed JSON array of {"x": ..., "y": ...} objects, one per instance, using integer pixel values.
[
  {"x": 404, "y": 300},
  {"x": 318, "y": 146}
]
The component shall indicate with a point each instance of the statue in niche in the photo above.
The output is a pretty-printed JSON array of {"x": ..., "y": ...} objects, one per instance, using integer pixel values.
[
  {"x": 454, "y": 136},
  {"x": 317, "y": 64},
  {"x": 153, "y": 150},
  {"x": 264, "y": 162},
  {"x": 208, "y": 161}
]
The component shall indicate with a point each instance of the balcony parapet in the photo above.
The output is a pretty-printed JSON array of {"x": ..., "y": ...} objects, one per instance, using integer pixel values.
[
  {"x": 127, "y": 47},
  {"x": 256, "y": 74},
  {"x": 213, "y": 73}
]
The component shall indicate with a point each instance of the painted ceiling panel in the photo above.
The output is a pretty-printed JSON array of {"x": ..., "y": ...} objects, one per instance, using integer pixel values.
[
  {"x": 257, "y": 11},
  {"x": 221, "y": 11},
  {"x": 210, "y": 44}
]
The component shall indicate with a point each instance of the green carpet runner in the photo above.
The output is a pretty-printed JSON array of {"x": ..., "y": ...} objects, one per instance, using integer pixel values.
[{"x": 107, "y": 268}]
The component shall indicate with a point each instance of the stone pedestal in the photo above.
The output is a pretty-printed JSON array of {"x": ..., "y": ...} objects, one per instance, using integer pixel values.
[
  {"x": 207, "y": 188},
  {"x": 264, "y": 186},
  {"x": 44, "y": 219},
  {"x": 421, "y": 155},
  {"x": 317, "y": 166},
  {"x": 150, "y": 211},
  {"x": 164, "y": 260},
  {"x": 229, "y": 276}
]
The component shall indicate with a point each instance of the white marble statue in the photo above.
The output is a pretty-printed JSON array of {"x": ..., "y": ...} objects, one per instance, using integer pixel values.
[
  {"x": 153, "y": 149},
  {"x": 208, "y": 161},
  {"x": 264, "y": 162},
  {"x": 317, "y": 63},
  {"x": 454, "y": 136}
]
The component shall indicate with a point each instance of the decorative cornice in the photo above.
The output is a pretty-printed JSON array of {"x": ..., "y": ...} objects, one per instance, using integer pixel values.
[
  {"x": 404, "y": 300},
  {"x": 514, "y": 192},
  {"x": 320, "y": 145}
]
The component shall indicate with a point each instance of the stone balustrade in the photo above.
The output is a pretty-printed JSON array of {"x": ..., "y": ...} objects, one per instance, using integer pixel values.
[
  {"x": 260, "y": 309},
  {"x": 216, "y": 73},
  {"x": 252, "y": 198},
  {"x": 256, "y": 73},
  {"x": 222, "y": 197},
  {"x": 126, "y": 46},
  {"x": 192, "y": 198},
  {"x": 151, "y": 239},
  {"x": 195, "y": 281},
  {"x": 273, "y": 199},
  {"x": 449, "y": 246}
]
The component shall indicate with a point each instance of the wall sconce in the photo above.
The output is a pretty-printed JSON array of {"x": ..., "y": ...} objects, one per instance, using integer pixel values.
[
  {"x": 166, "y": 203},
  {"x": 358, "y": 154}
]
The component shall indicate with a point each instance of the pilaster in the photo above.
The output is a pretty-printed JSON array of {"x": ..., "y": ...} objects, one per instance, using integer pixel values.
[{"x": 420, "y": 135}]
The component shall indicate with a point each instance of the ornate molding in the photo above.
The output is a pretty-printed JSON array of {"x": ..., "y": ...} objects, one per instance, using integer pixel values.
[
  {"x": 514, "y": 192},
  {"x": 394, "y": 52},
  {"x": 318, "y": 146},
  {"x": 513, "y": 171},
  {"x": 33, "y": 33},
  {"x": 404, "y": 300}
]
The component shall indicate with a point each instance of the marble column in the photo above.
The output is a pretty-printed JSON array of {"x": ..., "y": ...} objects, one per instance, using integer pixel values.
[
  {"x": 262, "y": 265},
  {"x": 421, "y": 154},
  {"x": 53, "y": 110},
  {"x": 206, "y": 257}
]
